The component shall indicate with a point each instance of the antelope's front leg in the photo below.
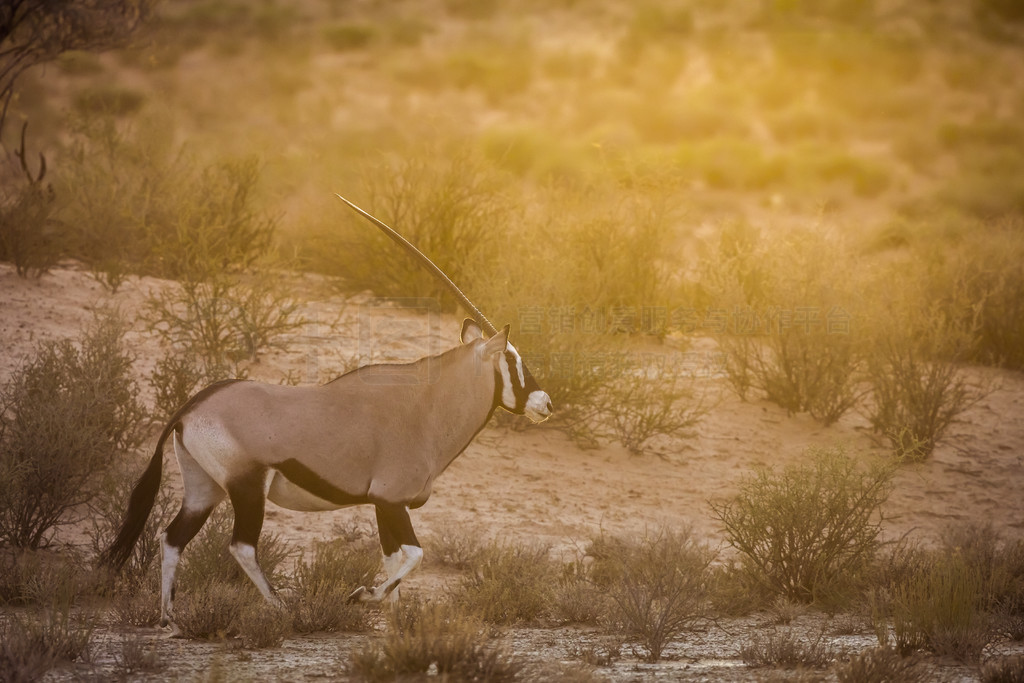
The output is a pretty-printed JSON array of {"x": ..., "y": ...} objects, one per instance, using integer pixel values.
[{"x": 402, "y": 553}]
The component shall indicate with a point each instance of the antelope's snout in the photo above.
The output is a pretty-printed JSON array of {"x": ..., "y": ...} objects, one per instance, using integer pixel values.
[{"x": 538, "y": 406}]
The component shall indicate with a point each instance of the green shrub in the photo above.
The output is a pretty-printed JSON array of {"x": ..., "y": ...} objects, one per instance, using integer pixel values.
[
  {"x": 808, "y": 532},
  {"x": 509, "y": 584},
  {"x": 659, "y": 583},
  {"x": 322, "y": 586},
  {"x": 62, "y": 415},
  {"x": 422, "y": 637}
]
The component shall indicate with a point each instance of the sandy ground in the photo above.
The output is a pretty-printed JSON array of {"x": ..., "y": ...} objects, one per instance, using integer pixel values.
[{"x": 533, "y": 484}]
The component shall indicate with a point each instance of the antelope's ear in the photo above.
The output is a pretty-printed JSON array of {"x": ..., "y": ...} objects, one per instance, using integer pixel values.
[
  {"x": 470, "y": 331},
  {"x": 498, "y": 343}
]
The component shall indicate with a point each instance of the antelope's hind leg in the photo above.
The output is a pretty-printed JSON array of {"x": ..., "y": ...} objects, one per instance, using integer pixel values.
[
  {"x": 248, "y": 498},
  {"x": 202, "y": 495},
  {"x": 401, "y": 549}
]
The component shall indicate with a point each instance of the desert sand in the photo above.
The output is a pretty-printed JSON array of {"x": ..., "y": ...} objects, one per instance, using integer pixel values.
[{"x": 532, "y": 483}]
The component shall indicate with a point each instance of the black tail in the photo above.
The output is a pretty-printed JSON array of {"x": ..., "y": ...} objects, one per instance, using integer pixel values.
[{"x": 139, "y": 506}]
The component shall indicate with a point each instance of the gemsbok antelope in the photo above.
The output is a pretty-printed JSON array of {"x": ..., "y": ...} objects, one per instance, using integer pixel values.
[{"x": 378, "y": 435}]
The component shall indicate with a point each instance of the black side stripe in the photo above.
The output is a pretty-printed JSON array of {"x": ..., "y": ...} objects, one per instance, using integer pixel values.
[{"x": 308, "y": 480}]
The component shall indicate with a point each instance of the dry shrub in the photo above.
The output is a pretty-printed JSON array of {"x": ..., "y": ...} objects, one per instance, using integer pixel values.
[
  {"x": 577, "y": 599},
  {"x": 62, "y": 415},
  {"x": 106, "y": 515},
  {"x": 136, "y": 603},
  {"x": 212, "y": 613},
  {"x": 999, "y": 564},
  {"x": 807, "y": 532},
  {"x": 433, "y": 637},
  {"x": 1003, "y": 670},
  {"x": 219, "y": 321},
  {"x": 223, "y": 611},
  {"x": 322, "y": 586},
  {"x": 942, "y": 609},
  {"x": 175, "y": 378},
  {"x": 21, "y": 657},
  {"x": 788, "y": 326},
  {"x": 509, "y": 584},
  {"x": 659, "y": 584},
  {"x": 734, "y": 592},
  {"x": 446, "y": 202},
  {"x": 913, "y": 366},
  {"x": 30, "y": 645},
  {"x": 139, "y": 204},
  {"x": 982, "y": 282},
  {"x": 784, "y": 611},
  {"x": 207, "y": 559},
  {"x": 788, "y": 649},
  {"x": 458, "y": 546},
  {"x": 649, "y": 400},
  {"x": 137, "y": 657},
  {"x": 29, "y": 238},
  {"x": 603, "y": 651},
  {"x": 42, "y": 577},
  {"x": 577, "y": 292},
  {"x": 261, "y": 625},
  {"x": 880, "y": 665}
]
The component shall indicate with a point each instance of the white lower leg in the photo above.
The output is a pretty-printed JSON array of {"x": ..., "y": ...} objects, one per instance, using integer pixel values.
[
  {"x": 245, "y": 555},
  {"x": 410, "y": 556},
  {"x": 169, "y": 556},
  {"x": 392, "y": 565}
]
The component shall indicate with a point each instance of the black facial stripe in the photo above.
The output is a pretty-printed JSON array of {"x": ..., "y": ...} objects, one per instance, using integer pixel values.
[
  {"x": 520, "y": 391},
  {"x": 531, "y": 384}
]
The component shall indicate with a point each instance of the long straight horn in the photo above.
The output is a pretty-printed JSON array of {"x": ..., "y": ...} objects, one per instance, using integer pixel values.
[{"x": 479, "y": 317}]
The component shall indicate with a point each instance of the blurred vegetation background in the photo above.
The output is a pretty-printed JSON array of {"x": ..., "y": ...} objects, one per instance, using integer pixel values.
[{"x": 805, "y": 180}]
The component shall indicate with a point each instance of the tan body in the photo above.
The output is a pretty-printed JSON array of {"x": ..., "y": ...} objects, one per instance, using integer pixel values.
[{"x": 380, "y": 434}]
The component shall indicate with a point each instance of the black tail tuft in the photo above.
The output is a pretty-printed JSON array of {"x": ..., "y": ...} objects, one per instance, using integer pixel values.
[{"x": 139, "y": 506}]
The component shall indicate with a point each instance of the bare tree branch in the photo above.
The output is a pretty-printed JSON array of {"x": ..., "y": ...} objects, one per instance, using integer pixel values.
[{"x": 33, "y": 32}]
